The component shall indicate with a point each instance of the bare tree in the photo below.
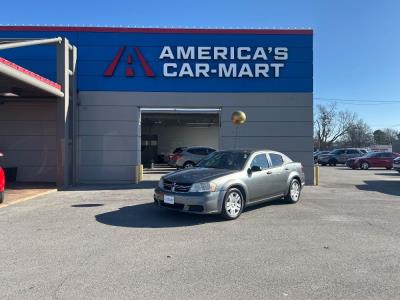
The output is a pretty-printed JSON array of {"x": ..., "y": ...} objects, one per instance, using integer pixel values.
[
  {"x": 385, "y": 136},
  {"x": 358, "y": 135},
  {"x": 330, "y": 124}
]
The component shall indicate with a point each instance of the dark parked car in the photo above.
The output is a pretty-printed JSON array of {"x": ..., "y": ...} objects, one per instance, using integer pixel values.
[
  {"x": 318, "y": 153},
  {"x": 373, "y": 160},
  {"x": 227, "y": 181},
  {"x": 339, "y": 156},
  {"x": 396, "y": 164}
]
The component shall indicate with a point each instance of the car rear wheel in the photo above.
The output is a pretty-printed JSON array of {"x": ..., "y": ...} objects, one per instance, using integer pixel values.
[
  {"x": 188, "y": 164},
  {"x": 333, "y": 162},
  {"x": 233, "y": 204},
  {"x": 293, "y": 195},
  {"x": 364, "y": 165},
  {"x": 388, "y": 168},
  {"x": 1, "y": 197}
]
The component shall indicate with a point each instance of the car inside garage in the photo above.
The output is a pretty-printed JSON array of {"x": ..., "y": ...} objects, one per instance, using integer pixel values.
[{"x": 163, "y": 131}]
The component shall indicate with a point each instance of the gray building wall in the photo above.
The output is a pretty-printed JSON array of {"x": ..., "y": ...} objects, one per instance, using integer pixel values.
[
  {"x": 109, "y": 131},
  {"x": 28, "y": 139}
]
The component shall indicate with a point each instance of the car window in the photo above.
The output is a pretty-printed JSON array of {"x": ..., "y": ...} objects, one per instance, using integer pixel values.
[
  {"x": 387, "y": 154},
  {"x": 276, "y": 159},
  {"x": 352, "y": 151},
  {"x": 372, "y": 154},
  {"x": 231, "y": 160},
  {"x": 261, "y": 161},
  {"x": 337, "y": 152},
  {"x": 198, "y": 151}
]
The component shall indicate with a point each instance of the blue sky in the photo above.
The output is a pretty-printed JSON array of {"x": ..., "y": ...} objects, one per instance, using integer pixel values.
[{"x": 356, "y": 43}]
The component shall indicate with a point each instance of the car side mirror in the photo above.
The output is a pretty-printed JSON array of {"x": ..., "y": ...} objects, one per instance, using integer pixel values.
[{"x": 253, "y": 169}]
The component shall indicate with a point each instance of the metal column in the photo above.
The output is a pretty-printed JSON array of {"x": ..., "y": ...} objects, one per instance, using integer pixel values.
[{"x": 62, "y": 138}]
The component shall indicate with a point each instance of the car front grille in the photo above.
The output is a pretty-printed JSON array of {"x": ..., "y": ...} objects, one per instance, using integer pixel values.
[{"x": 176, "y": 187}]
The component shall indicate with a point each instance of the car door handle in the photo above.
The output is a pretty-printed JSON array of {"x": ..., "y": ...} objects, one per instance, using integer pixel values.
[{"x": 269, "y": 172}]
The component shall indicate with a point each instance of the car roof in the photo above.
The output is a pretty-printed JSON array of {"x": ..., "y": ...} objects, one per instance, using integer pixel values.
[{"x": 198, "y": 147}]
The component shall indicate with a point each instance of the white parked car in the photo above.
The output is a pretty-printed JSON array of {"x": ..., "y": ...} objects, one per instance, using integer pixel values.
[{"x": 189, "y": 157}]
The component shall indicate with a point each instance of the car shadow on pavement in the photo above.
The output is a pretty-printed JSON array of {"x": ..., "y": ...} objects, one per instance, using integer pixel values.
[
  {"x": 393, "y": 174},
  {"x": 381, "y": 186},
  {"x": 147, "y": 215},
  {"x": 145, "y": 184}
]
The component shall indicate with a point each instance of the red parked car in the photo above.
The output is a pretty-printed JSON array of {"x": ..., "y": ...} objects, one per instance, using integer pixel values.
[
  {"x": 2, "y": 182},
  {"x": 373, "y": 160}
]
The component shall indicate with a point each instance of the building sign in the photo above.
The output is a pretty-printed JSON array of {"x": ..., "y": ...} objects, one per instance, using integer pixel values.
[
  {"x": 199, "y": 61},
  {"x": 191, "y": 61},
  {"x": 259, "y": 55}
]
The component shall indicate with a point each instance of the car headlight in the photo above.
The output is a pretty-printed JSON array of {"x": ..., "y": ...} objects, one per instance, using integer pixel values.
[
  {"x": 161, "y": 183},
  {"x": 202, "y": 187}
]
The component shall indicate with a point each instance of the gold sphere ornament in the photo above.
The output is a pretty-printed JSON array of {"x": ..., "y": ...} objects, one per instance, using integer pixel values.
[{"x": 238, "y": 117}]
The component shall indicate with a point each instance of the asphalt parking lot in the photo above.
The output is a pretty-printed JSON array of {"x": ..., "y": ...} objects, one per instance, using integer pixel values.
[{"x": 341, "y": 241}]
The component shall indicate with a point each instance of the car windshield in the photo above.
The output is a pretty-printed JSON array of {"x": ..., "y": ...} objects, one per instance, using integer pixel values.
[
  {"x": 371, "y": 154},
  {"x": 231, "y": 160}
]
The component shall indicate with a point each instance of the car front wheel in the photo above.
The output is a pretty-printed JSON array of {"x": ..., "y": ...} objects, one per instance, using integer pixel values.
[
  {"x": 293, "y": 195},
  {"x": 364, "y": 165},
  {"x": 233, "y": 204}
]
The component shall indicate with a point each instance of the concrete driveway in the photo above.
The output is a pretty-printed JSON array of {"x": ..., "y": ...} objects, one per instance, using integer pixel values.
[{"x": 341, "y": 241}]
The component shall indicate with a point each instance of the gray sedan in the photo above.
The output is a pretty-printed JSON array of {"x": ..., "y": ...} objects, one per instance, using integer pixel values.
[{"x": 227, "y": 181}]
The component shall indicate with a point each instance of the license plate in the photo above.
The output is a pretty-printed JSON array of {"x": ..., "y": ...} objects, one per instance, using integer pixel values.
[{"x": 168, "y": 199}]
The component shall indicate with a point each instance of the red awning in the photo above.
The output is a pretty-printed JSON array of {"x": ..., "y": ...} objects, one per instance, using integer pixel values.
[{"x": 18, "y": 80}]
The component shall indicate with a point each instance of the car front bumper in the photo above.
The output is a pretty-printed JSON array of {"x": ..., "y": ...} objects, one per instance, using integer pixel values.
[{"x": 200, "y": 203}]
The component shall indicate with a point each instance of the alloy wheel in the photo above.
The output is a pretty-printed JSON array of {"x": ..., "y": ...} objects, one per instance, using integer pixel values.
[
  {"x": 233, "y": 204},
  {"x": 295, "y": 191}
]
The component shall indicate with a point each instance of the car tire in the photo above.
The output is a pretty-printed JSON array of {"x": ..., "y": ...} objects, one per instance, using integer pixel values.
[
  {"x": 364, "y": 165},
  {"x": 323, "y": 165},
  {"x": 294, "y": 192},
  {"x": 233, "y": 204},
  {"x": 1, "y": 197},
  {"x": 333, "y": 162},
  {"x": 388, "y": 168},
  {"x": 188, "y": 164}
]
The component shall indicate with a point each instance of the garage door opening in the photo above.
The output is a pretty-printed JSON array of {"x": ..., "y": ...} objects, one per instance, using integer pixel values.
[{"x": 165, "y": 130}]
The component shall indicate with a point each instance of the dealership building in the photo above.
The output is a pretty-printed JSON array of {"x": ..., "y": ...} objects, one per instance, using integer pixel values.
[{"x": 95, "y": 103}]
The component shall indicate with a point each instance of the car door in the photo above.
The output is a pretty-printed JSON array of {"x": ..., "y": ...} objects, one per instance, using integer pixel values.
[
  {"x": 373, "y": 160},
  {"x": 258, "y": 183},
  {"x": 386, "y": 160},
  {"x": 278, "y": 174},
  {"x": 340, "y": 156},
  {"x": 197, "y": 154},
  {"x": 351, "y": 153}
]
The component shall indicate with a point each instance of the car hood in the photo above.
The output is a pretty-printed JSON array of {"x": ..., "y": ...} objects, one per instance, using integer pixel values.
[{"x": 193, "y": 175}]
